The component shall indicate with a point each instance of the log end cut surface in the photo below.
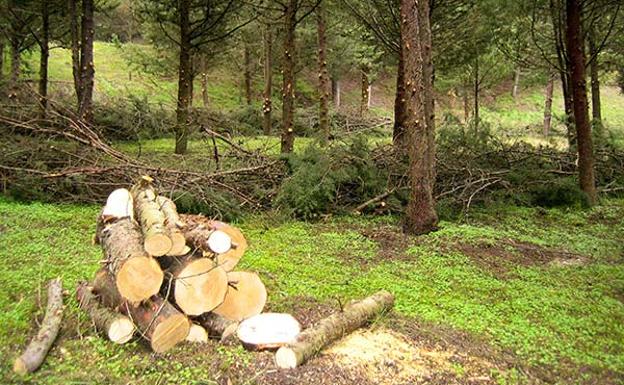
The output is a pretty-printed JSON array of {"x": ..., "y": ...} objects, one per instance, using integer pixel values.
[
  {"x": 139, "y": 278},
  {"x": 178, "y": 244},
  {"x": 169, "y": 332},
  {"x": 121, "y": 330},
  {"x": 200, "y": 287},
  {"x": 268, "y": 331},
  {"x": 245, "y": 297},
  {"x": 197, "y": 334},
  {"x": 157, "y": 244},
  {"x": 286, "y": 358}
]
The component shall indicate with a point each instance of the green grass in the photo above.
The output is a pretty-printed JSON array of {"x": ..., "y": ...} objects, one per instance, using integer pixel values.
[{"x": 549, "y": 315}]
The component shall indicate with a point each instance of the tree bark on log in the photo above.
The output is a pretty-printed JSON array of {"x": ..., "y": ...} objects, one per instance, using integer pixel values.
[
  {"x": 199, "y": 286},
  {"x": 159, "y": 322},
  {"x": 117, "y": 327},
  {"x": 174, "y": 224},
  {"x": 218, "y": 327},
  {"x": 38, "y": 348},
  {"x": 246, "y": 296},
  {"x": 312, "y": 340},
  {"x": 156, "y": 240}
]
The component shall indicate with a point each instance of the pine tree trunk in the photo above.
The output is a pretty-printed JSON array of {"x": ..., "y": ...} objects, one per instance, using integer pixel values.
[
  {"x": 516, "y": 83},
  {"x": 595, "y": 79},
  {"x": 568, "y": 110},
  {"x": 364, "y": 87},
  {"x": 475, "y": 95},
  {"x": 2, "y": 44},
  {"x": 204, "y": 81},
  {"x": 75, "y": 48},
  {"x": 247, "y": 71},
  {"x": 429, "y": 76},
  {"x": 267, "y": 105},
  {"x": 420, "y": 216},
  {"x": 323, "y": 76},
  {"x": 548, "y": 105},
  {"x": 16, "y": 62},
  {"x": 87, "y": 69},
  {"x": 185, "y": 79},
  {"x": 43, "y": 60},
  {"x": 466, "y": 101},
  {"x": 574, "y": 42},
  {"x": 398, "y": 130},
  {"x": 336, "y": 92},
  {"x": 288, "y": 86}
]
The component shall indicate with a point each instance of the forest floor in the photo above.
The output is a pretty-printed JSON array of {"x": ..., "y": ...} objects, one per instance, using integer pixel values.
[{"x": 507, "y": 296}]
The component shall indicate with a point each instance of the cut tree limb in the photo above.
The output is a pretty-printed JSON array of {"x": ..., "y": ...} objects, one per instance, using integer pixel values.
[
  {"x": 218, "y": 327},
  {"x": 38, "y": 348},
  {"x": 246, "y": 296},
  {"x": 137, "y": 275},
  {"x": 199, "y": 285},
  {"x": 312, "y": 340},
  {"x": 159, "y": 322},
  {"x": 117, "y": 327},
  {"x": 156, "y": 238},
  {"x": 174, "y": 224}
]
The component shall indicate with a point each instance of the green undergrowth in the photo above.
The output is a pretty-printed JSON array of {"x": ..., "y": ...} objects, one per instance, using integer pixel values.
[{"x": 562, "y": 317}]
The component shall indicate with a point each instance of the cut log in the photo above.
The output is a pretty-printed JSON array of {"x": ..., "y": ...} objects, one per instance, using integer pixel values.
[
  {"x": 137, "y": 275},
  {"x": 118, "y": 205},
  {"x": 246, "y": 296},
  {"x": 174, "y": 224},
  {"x": 117, "y": 327},
  {"x": 220, "y": 240},
  {"x": 147, "y": 210},
  {"x": 218, "y": 327},
  {"x": 159, "y": 322},
  {"x": 199, "y": 285},
  {"x": 38, "y": 348},
  {"x": 268, "y": 331},
  {"x": 312, "y": 340},
  {"x": 197, "y": 334}
]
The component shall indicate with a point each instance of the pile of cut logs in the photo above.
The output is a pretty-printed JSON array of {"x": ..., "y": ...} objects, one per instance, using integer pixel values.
[{"x": 168, "y": 275}]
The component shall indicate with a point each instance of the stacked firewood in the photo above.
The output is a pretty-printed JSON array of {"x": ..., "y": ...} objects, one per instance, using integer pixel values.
[{"x": 167, "y": 275}]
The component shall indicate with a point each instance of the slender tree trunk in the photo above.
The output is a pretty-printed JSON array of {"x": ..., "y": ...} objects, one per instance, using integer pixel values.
[
  {"x": 574, "y": 42},
  {"x": 43, "y": 61},
  {"x": 476, "y": 95},
  {"x": 185, "y": 79},
  {"x": 16, "y": 62},
  {"x": 364, "y": 83},
  {"x": 548, "y": 105},
  {"x": 323, "y": 75},
  {"x": 568, "y": 110},
  {"x": 595, "y": 79},
  {"x": 398, "y": 130},
  {"x": 336, "y": 92},
  {"x": 87, "y": 69},
  {"x": 247, "y": 71},
  {"x": 75, "y": 48},
  {"x": 1, "y": 60},
  {"x": 428, "y": 79},
  {"x": 516, "y": 84},
  {"x": 466, "y": 101},
  {"x": 204, "y": 81},
  {"x": 420, "y": 216},
  {"x": 288, "y": 86},
  {"x": 267, "y": 104}
]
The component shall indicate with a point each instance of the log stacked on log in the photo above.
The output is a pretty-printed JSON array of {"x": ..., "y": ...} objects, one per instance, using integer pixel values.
[{"x": 170, "y": 276}]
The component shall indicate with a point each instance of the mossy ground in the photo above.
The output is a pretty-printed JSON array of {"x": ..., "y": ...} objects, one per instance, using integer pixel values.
[{"x": 565, "y": 319}]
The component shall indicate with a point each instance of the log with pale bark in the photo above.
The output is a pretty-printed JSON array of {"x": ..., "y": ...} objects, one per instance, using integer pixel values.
[
  {"x": 268, "y": 331},
  {"x": 246, "y": 296},
  {"x": 218, "y": 327},
  {"x": 312, "y": 340},
  {"x": 38, "y": 348},
  {"x": 117, "y": 327},
  {"x": 174, "y": 224},
  {"x": 199, "y": 285},
  {"x": 156, "y": 240},
  {"x": 159, "y": 322}
]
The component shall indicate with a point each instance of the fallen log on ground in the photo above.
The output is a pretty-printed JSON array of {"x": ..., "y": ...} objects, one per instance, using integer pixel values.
[
  {"x": 156, "y": 238},
  {"x": 159, "y": 322},
  {"x": 218, "y": 327},
  {"x": 246, "y": 296},
  {"x": 117, "y": 327},
  {"x": 199, "y": 285},
  {"x": 312, "y": 340},
  {"x": 268, "y": 331},
  {"x": 174, "y": 224},
  {"x": 38, "y": 348}
]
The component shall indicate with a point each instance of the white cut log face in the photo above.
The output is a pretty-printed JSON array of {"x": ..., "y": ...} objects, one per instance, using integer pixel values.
[
  {"x": 268, "y": 330},
  {"x": 219, "y": 242},
  {"x": 197, "y": 334},
  {"x": 118, "y": 205},
  {"x": 121, "y": 330}
]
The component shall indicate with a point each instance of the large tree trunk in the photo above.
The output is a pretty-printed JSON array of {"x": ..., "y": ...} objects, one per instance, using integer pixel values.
[
  {"x": 398, "y": 131},
  {"x": 315, "y": 338},
  {"x": 288, "y": 86},
  {"x": 420, "y": 216},
  {"x": 204, "y": 81},
  {"x": 158, "y": 321},
  {"x": 548, "y": 105},
  {"x": 75, "y": 48},
  {"x": 38, "y": 348},
  {"x": 87, "y": 69},
  {"x": 595, "y": 79},
  {"x": 185, "y": 79},
  {"x": 323, "y": 75},
  {"x": 247, "y": 72},
  {"x": 43, "y": 60},
  {"x": 574, "y": 42},
  {"x": 246, "y": 296},
  {"x": 364, "y": 88},
  {"x": 117, "y": 327},
  {"x": 267, "y": 105}
]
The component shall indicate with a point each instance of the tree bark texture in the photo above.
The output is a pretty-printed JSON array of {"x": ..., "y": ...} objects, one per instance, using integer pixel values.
[
  {"x": 156, "y": 239},
  {"x": 247, "y": 72},
  {"x": 43, "y": 60},
  {"x": 185, "y": 79},
  {"x": 398, "y": 130},
  {"x": 364, "y": 88},
  {"x": 218, "y": 327},
  {"x": 516, "y": 83},
  {"x": 267, "y": 105},
  {"x": 87, "y": 68},
  {"x": 16, "y": 61},
  {"x": 204, "y": 81},
  {"x": 574, "y": 41},
  {"x": 594, "y": 67},
  {"x": 428, "y": 80},
  {"x": 75, "y": 48},
  {"x": 548, "y": 105},
  {"x": 323, "y": 89},
  {"x": 288, "y": 85},
  {"x": 336, "y": 92},
  {"x": 174, "y": 225}
]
